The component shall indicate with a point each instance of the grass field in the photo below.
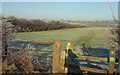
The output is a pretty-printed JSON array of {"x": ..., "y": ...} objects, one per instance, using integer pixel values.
[{"x": 97, "y": 37}]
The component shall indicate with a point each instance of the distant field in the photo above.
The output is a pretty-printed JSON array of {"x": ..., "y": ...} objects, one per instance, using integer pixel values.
[
  {"x": 97, "y": 37},
  {"x": 96, "y": 24}
]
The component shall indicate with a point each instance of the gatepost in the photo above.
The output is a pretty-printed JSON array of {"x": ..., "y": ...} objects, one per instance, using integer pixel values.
[
  {"x": 111, "y": 60},
  {"x": 56, "y": 58}
]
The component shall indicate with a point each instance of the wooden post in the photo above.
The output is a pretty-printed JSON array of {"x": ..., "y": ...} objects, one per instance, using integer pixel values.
[
  {"x": 62, "y": 62},
  {"x": 111, "y": 60},
  {"x": 56, "y": 58}
]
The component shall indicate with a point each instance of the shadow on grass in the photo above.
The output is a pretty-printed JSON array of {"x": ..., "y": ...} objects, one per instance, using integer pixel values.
[{"x": 72, "y": 64}]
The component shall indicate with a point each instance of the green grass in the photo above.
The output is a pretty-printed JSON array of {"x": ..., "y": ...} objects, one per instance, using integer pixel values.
[
  {"x": 93, "y": 36},
  {"x": 85, "y": 39}
]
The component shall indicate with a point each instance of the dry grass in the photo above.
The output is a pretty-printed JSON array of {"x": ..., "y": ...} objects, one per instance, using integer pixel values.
[
  {"x": 6, "y": 67},
  {"x": 21, "y": 62}
]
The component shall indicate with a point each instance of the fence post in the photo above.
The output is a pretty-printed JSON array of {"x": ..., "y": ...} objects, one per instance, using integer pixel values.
[
  {"x": 111, "y": 60},
  {"x": 56, "y": 58}
]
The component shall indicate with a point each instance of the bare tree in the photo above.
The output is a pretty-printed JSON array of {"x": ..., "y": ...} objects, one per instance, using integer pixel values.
[
  {"x": 7, "y": 34},
  {"x": 116, "y": 29},
  {"x": 21, "y": 60}
]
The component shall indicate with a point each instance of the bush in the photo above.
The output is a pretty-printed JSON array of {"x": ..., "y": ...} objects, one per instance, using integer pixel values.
[{"x": 25, "y": 25}]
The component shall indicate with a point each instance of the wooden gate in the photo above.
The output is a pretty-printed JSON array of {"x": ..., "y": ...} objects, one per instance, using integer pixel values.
[
  {"x": 58, "y": 59},
  {"x": 57, "y": 64},
  {"x": 85, "y": 69}
]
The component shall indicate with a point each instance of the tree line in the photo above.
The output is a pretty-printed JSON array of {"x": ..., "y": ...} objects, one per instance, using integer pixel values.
[{"x": 29, "y": 25}]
